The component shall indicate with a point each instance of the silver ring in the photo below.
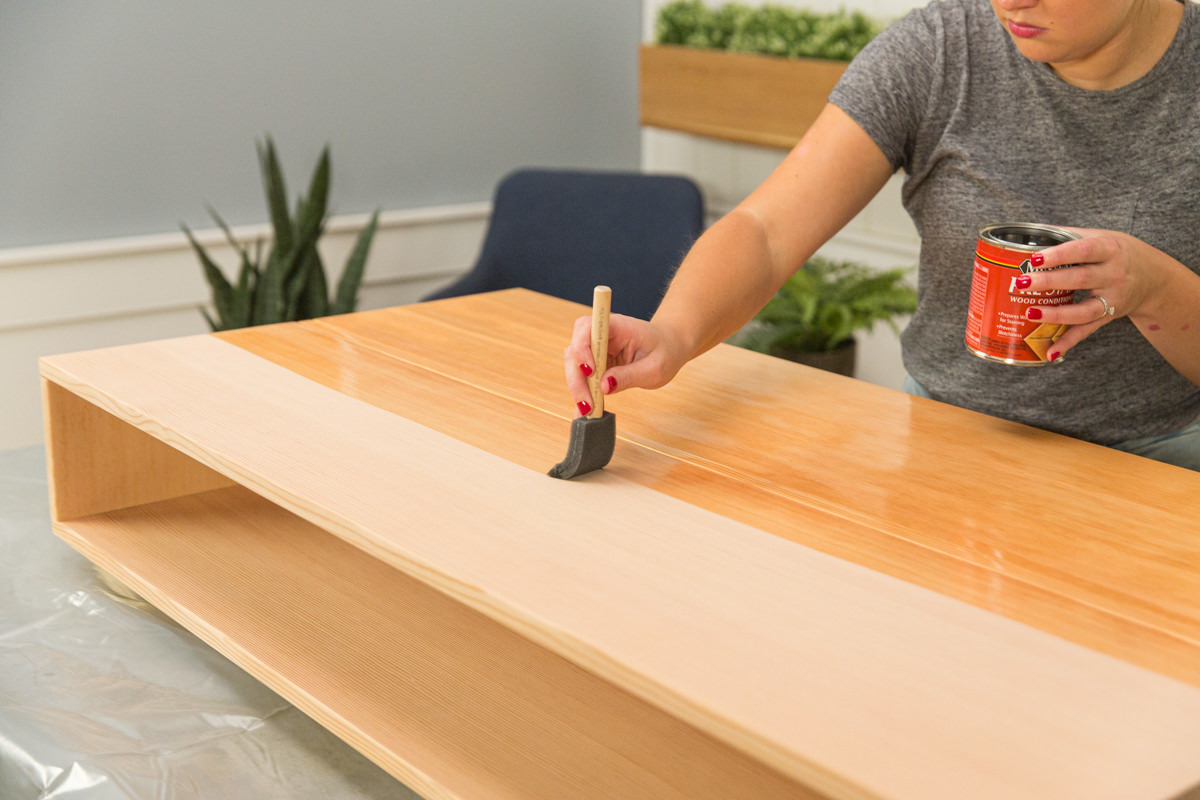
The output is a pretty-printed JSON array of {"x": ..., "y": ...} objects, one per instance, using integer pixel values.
[{"x": 1108, "y": 310}]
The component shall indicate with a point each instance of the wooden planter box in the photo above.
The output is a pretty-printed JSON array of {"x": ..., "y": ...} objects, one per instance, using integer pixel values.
[{"x": 761, "y": 100}]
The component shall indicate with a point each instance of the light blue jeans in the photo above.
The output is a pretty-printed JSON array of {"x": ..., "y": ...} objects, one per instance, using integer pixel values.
[{"x": 1181, "y": 448}]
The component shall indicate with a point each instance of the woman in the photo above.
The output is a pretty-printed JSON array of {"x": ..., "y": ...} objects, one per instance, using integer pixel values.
[{"x": 1081, "y": 113}]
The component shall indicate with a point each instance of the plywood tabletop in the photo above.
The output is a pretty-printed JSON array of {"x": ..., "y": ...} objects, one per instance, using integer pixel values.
[{"x": 777, "y": 557}]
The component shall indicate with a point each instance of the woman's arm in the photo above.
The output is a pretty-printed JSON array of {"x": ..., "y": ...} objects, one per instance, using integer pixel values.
[
  {"x": 739, "y": 263},
  {"x": 1159, "y": 295}
]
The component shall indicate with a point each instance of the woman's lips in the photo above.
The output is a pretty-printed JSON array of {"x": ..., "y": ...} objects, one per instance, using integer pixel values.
[{"x": 1022, "y": 30}]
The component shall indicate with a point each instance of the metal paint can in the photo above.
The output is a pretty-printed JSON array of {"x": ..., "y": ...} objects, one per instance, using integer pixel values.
[{"x": 997, "y": 329}]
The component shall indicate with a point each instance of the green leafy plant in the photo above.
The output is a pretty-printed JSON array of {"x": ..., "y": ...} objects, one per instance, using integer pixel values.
[
  {"x": 823, "y": 304},
  {"x": 766, "y": 30},
  {"x": 289, "y": 284}
]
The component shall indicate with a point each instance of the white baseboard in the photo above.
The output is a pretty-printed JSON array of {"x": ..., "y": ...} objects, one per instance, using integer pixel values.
[{"x": 84, "y": 295}]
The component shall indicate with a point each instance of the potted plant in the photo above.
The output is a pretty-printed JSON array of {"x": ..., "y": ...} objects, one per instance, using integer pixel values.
[
  {"x": 289, "y": 283},
  {"x": 813, "y": 317},
  {"x": 755, "y": 75}
]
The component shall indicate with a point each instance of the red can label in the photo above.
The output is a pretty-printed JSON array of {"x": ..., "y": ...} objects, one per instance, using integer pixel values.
[{"x": 996, "y": 325}]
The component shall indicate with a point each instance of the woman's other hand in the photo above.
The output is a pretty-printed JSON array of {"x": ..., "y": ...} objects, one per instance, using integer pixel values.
[
  {"x": 1111, "y": 266},
  {"x": 1124, "y": 277}
]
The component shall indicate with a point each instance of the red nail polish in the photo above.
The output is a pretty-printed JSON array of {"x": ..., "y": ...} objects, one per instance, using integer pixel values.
[
  {"x": 1036, "y": 260},
  {"x": 586, "y": 370},
  {"x": 1024, "y": 281},
  {"x": 1054, "y": 355},
  {"x": 612, "y": 382},
  {"x": 1033, "y": 313},
  {"x": 584, "y": 407}
]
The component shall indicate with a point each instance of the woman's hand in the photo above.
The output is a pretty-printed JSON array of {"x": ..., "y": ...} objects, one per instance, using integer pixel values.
[
  {"x": 640, "y": 354},
  {"x": 1119, "y": 271},
  {"x": 1125, "y": 277}
]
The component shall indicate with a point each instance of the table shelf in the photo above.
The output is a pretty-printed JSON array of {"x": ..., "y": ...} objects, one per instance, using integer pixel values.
[{"x": 447, "y": 700}]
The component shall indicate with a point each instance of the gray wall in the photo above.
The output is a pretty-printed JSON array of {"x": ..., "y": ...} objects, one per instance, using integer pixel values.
[{"x": 123, "y": 117}]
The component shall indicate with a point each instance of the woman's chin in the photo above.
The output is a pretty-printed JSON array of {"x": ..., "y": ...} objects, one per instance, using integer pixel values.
[{"x": 1036, "y": 50}]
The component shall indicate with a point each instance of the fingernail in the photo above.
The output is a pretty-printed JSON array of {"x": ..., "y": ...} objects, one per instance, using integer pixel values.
[
  {"x": 1033, "y": 313},
  {"x": 584, "y": 407},
  {"x": 1054, "y": 355},
  {"x": 586, "y": 370},
  {"x": 1024, "y": 281},
  {"x": 612, "y": 383},
  {"x": 1036, "y": 260}
]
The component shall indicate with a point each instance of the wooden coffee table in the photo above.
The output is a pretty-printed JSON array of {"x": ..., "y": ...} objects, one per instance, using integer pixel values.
[{"x": 785, "y": 584}]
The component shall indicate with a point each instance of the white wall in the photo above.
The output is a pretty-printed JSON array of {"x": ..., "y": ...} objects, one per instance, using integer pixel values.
[{"x": 85, "y": 295}]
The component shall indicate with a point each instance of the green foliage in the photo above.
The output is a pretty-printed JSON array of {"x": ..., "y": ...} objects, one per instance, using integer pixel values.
[
  {"x": 767, "y": 30},
  {"x": 823, "y": 304},
  {"x": 289, "y": 284}
]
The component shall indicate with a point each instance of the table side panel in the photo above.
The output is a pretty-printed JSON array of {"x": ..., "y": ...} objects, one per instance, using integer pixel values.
[{"x": 98, "y": 462}]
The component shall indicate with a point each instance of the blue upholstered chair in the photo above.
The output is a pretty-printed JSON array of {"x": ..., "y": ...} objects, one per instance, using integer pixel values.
[{"x": 562, "y": 232}]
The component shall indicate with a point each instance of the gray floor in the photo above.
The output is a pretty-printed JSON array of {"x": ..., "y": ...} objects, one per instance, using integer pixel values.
[{"x": 105, "y": 699}]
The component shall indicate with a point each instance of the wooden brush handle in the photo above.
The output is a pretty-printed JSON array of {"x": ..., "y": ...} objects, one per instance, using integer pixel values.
[{"x": 601, "y": 303}]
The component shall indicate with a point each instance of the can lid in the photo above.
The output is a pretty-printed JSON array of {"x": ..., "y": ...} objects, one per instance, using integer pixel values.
[{"x": 1026, "y": 236}]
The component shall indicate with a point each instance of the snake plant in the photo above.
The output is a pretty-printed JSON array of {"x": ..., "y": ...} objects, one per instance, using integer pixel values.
[{"x": 289, "y": 283}]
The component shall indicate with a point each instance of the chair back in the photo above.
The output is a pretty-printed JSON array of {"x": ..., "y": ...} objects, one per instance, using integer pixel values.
[{"x": 562, "y": 232}]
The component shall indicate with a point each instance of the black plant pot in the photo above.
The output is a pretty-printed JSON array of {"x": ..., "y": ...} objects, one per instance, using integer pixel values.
[{"x": 840, "y": 360}]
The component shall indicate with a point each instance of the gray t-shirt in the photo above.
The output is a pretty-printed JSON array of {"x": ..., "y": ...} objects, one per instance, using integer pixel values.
[{"x": 987, "y": 136}]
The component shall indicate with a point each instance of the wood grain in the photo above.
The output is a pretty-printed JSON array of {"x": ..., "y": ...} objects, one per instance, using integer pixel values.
[
  {"x": 601, "y": 309},
  {"x": 848, "y": 681},
  {"x": 739, "y": 97}
]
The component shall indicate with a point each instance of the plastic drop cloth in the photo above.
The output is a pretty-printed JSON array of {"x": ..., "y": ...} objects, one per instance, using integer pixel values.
[{"x": 103, "y": 699}]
